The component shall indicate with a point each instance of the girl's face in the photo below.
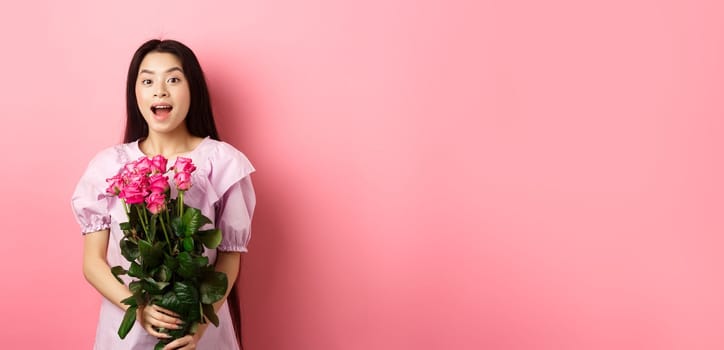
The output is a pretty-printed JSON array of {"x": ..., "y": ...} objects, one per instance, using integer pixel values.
[{"x": 163, "y": 93}]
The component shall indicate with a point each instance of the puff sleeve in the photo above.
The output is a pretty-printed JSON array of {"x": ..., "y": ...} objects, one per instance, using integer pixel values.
[
  {"x": 235, "y": 209},
  {"x": 89, "y": 201}
]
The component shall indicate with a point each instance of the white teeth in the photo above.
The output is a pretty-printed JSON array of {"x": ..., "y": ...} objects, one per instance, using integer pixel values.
[{"x": 155, "y": 109}]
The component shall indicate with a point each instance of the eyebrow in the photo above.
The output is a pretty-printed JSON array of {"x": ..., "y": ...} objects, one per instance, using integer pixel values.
[{"x": 167, "y": 71}]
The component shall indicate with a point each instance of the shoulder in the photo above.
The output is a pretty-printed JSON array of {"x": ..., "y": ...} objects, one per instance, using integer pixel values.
[
  {"x": 222, "y": 149},
  {"x": 222, "y": 155},
  {"x": 222, "y": 165}
]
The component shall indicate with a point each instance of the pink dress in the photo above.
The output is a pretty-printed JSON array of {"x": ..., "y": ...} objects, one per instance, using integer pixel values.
[{"x": 221, "y": 189}]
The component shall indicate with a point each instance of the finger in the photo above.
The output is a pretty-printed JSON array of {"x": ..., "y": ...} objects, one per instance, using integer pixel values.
[
  {"x": 157, "y": 323},
  {"x": 153, "y": 332},
  {"x": 161, "y": 320},
  {"x": 162, "y": 324},
  {"x": 166, "y": 311},
  {"x": 184, "y": 343}
]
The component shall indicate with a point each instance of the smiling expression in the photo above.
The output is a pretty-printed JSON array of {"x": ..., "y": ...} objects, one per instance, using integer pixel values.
[{"x": 162, "y": 92}]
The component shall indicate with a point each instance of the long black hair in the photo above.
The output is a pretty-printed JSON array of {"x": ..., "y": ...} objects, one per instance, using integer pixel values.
[{"x": 200, "y": 118}]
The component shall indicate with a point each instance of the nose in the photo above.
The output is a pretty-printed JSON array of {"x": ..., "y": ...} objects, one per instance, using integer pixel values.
[{"x": 161, "y": 91}]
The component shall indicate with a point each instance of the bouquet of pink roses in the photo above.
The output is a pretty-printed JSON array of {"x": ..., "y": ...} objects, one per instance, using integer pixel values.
[{"x": 165, "y": 246}]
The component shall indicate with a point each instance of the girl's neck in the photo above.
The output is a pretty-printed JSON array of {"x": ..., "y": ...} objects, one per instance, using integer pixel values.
[{"x": 169, "y": 145}]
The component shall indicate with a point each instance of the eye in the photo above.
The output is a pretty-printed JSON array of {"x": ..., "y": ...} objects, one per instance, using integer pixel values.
[
  {"x": 173, "y": 80},
  {"x": 146, "y": 82}
]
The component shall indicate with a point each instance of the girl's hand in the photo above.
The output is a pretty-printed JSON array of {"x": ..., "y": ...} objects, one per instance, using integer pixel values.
[
  {"x": 154, "y": 317},
  {"x": 185, "y": 343}
]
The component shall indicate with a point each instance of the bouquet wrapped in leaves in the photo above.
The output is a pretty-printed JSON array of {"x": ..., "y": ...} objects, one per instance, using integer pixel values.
[{"x": 164, "y": 244}]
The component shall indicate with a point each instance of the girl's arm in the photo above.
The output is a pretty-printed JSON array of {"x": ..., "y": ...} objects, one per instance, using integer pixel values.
[
  {"x": 98, "y": 274},
  {"x": 96, "y": 269},
  {"x": 228, "y": 263}
]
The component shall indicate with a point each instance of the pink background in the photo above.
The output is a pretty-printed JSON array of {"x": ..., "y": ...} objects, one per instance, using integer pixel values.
[{"x": 432, "y": 174}]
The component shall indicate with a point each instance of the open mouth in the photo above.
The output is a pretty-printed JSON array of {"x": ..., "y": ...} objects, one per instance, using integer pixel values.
[{"x": 161, "y": 109}]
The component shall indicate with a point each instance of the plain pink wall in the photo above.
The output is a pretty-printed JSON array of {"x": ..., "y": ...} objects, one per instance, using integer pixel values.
[{"x": 432, "y": 174}]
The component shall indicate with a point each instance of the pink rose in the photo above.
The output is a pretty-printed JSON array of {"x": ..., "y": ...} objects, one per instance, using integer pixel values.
[
  {"x": 158, "y": 183},
  {"x": 135, "y": 189},
  {"x": 133, "y": 193},
  {"x": 158, "y": 164},
  {"x": 143, "y": 166},
  {"x": 185, "y": 165},
  {"x": 183, "y": 181},
  {"x": 156, "y": 202},
  {"x": 138, "y": 180},
  {"x": 115, "y": 185}
]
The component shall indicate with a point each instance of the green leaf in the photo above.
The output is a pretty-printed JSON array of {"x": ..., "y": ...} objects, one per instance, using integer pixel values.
[
  {"x": 137, "y": 298},
  {"x": 152, "y": 286},
  {"x": 186, "y": 294},
  {"x": 125, "y": 226},
  {"x": 186, "y": 266},
  {"x": 135, "y": 270},
  {"x": 130, "y": 301},
  {"x": 213, "y": 287},
  {"x": 170, "y": 262},
  {"x": 188, "y": 243},
  {"x": 182, "y": 299},
  {"x": 128, "y": 320},
  {"x": 163, "y": 274},
  {"x": 201, "y": 261},
  {"x": 170, "y": 301},
  {"x": 151, "y": 255},
  {"x": 178, "y": 226},
  {"x": 117, "y": 271},
  {"x": 194, "y": 313},
  {"x": 210, "y": 238},
  {"x": 129, "y": 250},
  {"x": 135, "y": 287},
  {"x": 210, "y": 314},
  {"x": 193, "y": 219}
]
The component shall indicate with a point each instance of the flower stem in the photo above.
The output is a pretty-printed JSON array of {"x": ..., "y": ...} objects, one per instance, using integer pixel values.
[
  {"x": 180, "y": 203},
  {"x": 145, "y": 218},
  {"x": 144, "y": 223},
  {"x": 165, "y": 233},
  {"x": 125, "y": 209}
]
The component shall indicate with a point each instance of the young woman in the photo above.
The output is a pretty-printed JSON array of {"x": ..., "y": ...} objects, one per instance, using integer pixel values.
[{"x": 168, "y": 113}]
